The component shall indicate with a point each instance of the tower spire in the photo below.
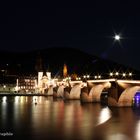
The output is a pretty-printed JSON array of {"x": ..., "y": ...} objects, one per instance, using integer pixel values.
[{"x": 65, "y": 71}]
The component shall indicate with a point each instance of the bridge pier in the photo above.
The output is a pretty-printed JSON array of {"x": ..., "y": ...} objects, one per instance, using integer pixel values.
[
  {"x": 58, "y": 92},
  {"x": 114, "y": 94},
  {"x": 55, "y": 89},
  {"x": 73, "y": 91},
  {"x": 67, "y": 92}
]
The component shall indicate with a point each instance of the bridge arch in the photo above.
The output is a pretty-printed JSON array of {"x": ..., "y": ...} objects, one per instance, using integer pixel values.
[
  {"x": 127, "y": 96},
  {"x": 73, "y": 92},
  {"x": 122, "y": 92},
  {"x": 95, "y": 92}
]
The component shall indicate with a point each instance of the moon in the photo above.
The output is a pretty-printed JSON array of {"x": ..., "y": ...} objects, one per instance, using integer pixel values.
[{"x": 117, "y": 37}]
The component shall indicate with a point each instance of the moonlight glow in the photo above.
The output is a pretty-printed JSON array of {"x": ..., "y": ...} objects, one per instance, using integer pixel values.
[{"x": 117, "y": 37}]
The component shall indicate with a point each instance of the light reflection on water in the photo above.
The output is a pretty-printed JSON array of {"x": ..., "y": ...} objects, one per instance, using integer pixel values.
[
  {"x": 56, "y": 119},
  {"x": 105, "y": 115}
]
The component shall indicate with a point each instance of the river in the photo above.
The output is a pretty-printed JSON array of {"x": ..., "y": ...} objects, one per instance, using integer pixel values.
[{"x": 38, "y": 117}]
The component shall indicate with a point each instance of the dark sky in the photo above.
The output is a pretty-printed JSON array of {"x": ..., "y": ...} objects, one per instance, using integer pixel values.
[{"x": 31, "y": 26}]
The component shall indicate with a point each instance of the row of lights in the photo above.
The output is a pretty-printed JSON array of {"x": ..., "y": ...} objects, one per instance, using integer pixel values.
[
  {"x": 78, "y": 78},
  {"x": 67, "y": 78},
  {"x": 117, "y": 74},
  {"x": 86, "y": 76},
  {"x": 111, "y": 74},
  {"x": 97, "y": 77}
]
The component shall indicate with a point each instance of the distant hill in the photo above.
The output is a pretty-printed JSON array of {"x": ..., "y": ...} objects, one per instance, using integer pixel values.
[{"x": 53, "y": 60}]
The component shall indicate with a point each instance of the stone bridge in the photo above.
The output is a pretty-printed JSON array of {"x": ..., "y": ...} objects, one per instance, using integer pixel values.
[{"x": 119, "y": 92}]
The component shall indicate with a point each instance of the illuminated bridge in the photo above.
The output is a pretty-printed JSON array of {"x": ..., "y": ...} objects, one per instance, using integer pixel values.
[{"x": 118, "y": 92}]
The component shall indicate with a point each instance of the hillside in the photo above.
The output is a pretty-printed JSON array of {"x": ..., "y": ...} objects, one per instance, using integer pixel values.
[{"x": 53, "y": 60}]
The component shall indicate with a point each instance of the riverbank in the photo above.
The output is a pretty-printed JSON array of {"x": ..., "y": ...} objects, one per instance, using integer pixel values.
[{"x": 23, "y": 94}]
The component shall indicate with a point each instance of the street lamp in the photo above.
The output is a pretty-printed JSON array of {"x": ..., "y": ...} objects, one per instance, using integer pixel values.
[
  {"x": 130, "y": 74},
  {"x": 99, "y": 76},
  {"x": 124, "y": 74},
  {"x": 117, "y": 73},
  {"x": 111, "y": 74},
  {"x": 84, "y": 76},
  {"x": 95, "y": 77}
]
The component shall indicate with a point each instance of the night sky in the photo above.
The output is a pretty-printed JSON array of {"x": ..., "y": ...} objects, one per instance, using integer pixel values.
[{"x": 31, "y": 26}]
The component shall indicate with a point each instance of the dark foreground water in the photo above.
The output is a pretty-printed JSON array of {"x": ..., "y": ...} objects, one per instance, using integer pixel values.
[{"x": 49, "y": 119}]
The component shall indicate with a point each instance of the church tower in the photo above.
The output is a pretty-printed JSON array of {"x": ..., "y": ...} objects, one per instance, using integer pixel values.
[{"x": 65, "y": 71}]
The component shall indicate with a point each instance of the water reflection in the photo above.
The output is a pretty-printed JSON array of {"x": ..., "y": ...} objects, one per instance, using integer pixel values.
[
  {"x": 56, "y": 119},
  {"x": 105, "y": 115},
  {"x": 4, "y": 99},
  {"x": 122, "y": 125}
]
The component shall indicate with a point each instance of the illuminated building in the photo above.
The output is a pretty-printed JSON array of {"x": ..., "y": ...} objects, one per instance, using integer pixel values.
[
  {"x": 44, "y": 81},
  {"x": 26, "y": 84}
]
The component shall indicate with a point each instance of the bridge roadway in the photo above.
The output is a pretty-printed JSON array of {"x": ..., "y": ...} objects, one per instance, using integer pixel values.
[{"x": 120, "y": 92}]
